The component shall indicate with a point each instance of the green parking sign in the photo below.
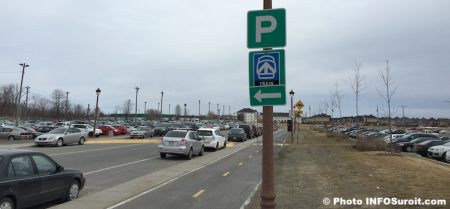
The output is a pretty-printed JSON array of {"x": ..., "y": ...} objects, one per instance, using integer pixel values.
[{"x": 266, "y": 28}]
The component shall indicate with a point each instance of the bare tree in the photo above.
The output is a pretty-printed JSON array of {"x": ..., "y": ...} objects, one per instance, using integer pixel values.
[
  {"x": 153, "y": 114},
  {"x": 357, "y": 83},
  {"x": 338, "y": 95},
  {"x": 57, "y": 95},
  {"x": 126, "y": 108},
  {"x": 389, "y": 92},
  {"x": 332, "y": 103}
]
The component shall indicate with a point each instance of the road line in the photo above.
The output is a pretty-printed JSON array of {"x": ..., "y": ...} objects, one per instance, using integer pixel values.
[
  {"x": 249, "y": 198},
  {"x": 198, "y": 193},
  {"x": 123, "y": 202},
  {"x": 92, "y": 150},
  {"x": 117, "y": 166},
  {"x": 226, "y": 174},
  {"x": 241, "y": 163},
  {"x": 250, "y": 156}
]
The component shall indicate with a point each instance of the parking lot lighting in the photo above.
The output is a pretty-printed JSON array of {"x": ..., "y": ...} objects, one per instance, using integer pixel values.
[{"x": 98, "y": 91}]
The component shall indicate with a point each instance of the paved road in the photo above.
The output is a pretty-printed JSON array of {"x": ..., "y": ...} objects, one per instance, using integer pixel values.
[
  {"x": 107, "y": 165},
  {"x": 225, "y": 184}
]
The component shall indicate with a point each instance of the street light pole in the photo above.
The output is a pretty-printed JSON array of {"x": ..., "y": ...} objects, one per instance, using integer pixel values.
[
  {"x": 291, "y": 93},
  {"x": 26, "y": 102},
  {"x": 20, "y": 93},
  {"x": 199, "y": 109},
  {"x": 162, "y": 95},
  {"x": 209, "y": 110},
  {"x": 98, "y": 91},
  {"x": 145, "y": 106},
  {"x": 184, "y": 112},
  {"x": 135, "y": 110},
  {"x": 67, "y": 106}
]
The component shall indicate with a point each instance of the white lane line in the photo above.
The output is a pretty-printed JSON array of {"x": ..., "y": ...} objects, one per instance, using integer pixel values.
[
  {"x": 250, "y": 156},
  {"x": 117, "y": 166},
  {"x": 226, "y": 174},
  {"x": 249, "y": 198},
  {"x": 241, "y": 163},
  {"x": 169, "y": 181},
  {"x": 92, "y": 150},
  {"x": 198, "y": 193}
]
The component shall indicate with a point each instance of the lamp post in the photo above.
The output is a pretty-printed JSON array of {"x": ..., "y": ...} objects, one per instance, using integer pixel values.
[
  {"x": 185, "y": 112},
  {"x": 96, "y": 110},
  {"x": 162, "y": 95},
  {"x": 135, "y": 110},
  {"x": 291, "y": 93}
]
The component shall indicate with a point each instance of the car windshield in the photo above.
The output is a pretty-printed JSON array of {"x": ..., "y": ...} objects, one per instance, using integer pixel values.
[
  {"x": 57, "y": 131},
  {"x": 204, "y": 133},
  {"x": 176, "y": 134}
]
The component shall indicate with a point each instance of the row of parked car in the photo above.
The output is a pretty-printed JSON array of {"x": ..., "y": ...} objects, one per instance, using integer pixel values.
[{"x": 431, "y": 144}]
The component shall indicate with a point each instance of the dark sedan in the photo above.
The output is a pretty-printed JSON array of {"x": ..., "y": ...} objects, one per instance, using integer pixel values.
[
  {"x": 31, "y": 178},
  {"x": 237, "y": 134},
  {"x": 422, "y": 148}
]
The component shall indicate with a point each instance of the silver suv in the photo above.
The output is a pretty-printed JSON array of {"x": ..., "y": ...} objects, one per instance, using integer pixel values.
[{"x": 181, "y": 142}]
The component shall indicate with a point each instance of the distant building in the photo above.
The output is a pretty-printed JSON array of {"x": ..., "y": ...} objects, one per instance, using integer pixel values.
[
  {"x": 280, "y": 117},
  {"x": 322, "y": 119},
  {"x": 248, "y": 115}
]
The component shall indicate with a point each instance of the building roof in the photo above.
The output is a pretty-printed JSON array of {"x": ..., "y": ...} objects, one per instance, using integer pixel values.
[{"x": 247, "y": 110}]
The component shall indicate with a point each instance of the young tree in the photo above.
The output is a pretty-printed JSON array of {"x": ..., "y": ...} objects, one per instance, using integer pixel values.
[
  {"x": 57, "y": 95},
  {"x": 332, "y": 103},
  {"x": 338, "y": 95},
  {"x": 357, "y": 83},
  {"x": 389, "y": 92},
  {"x": 153, "y": 114},
  {"x": 126, "y": 108}
]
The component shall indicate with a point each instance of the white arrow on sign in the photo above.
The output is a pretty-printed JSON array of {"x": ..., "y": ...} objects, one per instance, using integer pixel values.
[{"x": 259, "y": 96}]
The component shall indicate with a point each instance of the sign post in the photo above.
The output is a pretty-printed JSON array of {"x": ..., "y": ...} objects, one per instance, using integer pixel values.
[{"x": 267, "y": 29}]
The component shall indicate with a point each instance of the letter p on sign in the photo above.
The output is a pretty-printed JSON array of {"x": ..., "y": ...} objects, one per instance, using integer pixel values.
[{"x": 266, "y": 28}]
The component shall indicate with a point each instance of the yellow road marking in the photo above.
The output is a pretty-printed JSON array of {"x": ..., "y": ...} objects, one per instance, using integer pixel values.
[
  {"x": 230, "y": 144},
  {"x": 226, "y": 174},
  {"x": 198, "y": 193},
  {"x": 124, "y": 141},
  {"x": 241, "y": 163}
]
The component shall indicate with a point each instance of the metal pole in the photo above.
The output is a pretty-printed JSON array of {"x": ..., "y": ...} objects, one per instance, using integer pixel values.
[
  {"x": 184, "y": 113},
  {"x": 267, "y": 185},
  {"x": 135, "y": 109},
  {"x": 26, "y": 102},
  {"x": 20, "y": 93},
  {"x": 162, "y": 95},
  {"x": 145, "y": 106},
  {"x": 209, "y": 110},
  {"x": 88, "y": 112},
  {"x": 96, "y": 110},
  {"x": 199, "y": 109},
  {"x": 67, "y": 105},
  {"x": 292, "y": 119}
]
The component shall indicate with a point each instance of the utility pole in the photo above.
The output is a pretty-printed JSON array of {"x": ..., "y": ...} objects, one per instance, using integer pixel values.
[
  {"x": 26, "y": 102},
  {"x": 162, "y": 95},
  {"x": 169, "y": 109},
  {"x": 223, "y": 110},
  {"x": 403, "y": 114},
  {"x": 135, "y": 110},
  {"x": 199, "y": 109},
  {"x": 88, "y": 112},
  {"x": 209, "y": 110},
  {"x": 184, "y": 119},
  {"x": 128, "y": 109},
  {"x": 145, "y": 106},
  {"x": 24, "y": 65},
  {"x": 229, "y": 110},
  {"x": 67, "y": 106}
]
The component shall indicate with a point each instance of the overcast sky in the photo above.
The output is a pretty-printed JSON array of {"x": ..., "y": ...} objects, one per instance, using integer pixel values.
[{"x": 196, "y": 50}]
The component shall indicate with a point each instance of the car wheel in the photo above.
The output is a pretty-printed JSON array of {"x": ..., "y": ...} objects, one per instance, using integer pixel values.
[
  {"x": 163, "y": 155},
  {"x": 59, "y": 143},
  {"x": 409, "y": 149},
  {"x": 189, "y": 155},
  {"x": 11, "y": 138},
  {"x": 81, "y": 141},
  {"x": 6, "y": 203},
  {"x": 217, "y": 147},
  {"x": 72, "y": 192},
  {"x": 131, "y": 137},
  {"x": 202, "y": 151},
  {"x": 445, "y": 157}
]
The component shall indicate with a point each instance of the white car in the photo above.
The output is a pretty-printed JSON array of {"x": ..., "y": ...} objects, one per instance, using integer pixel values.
[
  {"x": 87, "y": 128},
  {"x": 394, "y": 137},
  {"x": 60, "y": 136},
  {"x": 211, "y": 138},
  {"x": 440, "y": 151}
]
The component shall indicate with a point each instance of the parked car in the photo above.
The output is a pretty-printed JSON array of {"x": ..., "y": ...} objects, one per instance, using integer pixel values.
[
  {"x": 160, "y": 131},
  {"x": 409, "y": 137},
  {"x": 237, "y": 134},
  {"x": 14, "y": 133},
  {"x": 122, "y": 129},
  {"x": 181, "y": 142},
  {"x": 211, "y": 138},
  {"x": 142, "y": 132},
  {"x": 33, "y": 132},
  {"x": 88, "y": 129},
  {"x": 45, "y": 129},
  {"x": 408, "y": 146},
  {"x": 422, "y": 148},
  {"x": 248, "y": 130},
  {"x": 106, "y": 129},
  {"x": 440, "y": 151},
  {"x": 31, "y": 178},
  {"x": 61, "y": 136}
]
